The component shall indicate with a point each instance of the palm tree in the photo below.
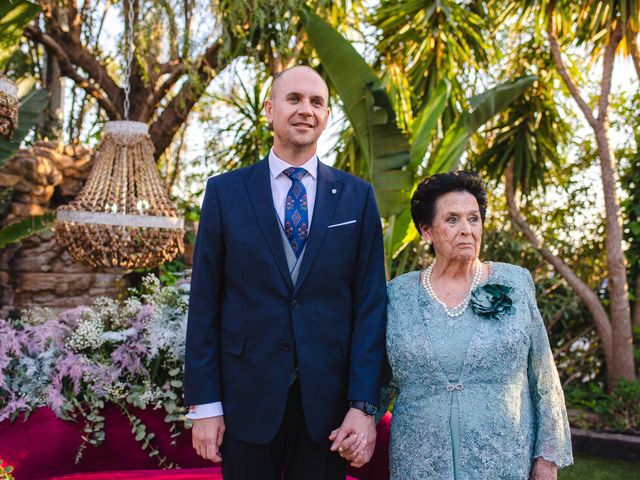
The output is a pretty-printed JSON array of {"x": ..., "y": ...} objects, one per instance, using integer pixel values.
[
  {"x": 393, "y": 160},
  {"x": 527, "y": 139},
  {"x": 432, "y": 41}
]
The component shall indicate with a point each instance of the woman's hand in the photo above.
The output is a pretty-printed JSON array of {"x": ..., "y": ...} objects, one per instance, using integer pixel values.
[{"x": 543, "y": 470}]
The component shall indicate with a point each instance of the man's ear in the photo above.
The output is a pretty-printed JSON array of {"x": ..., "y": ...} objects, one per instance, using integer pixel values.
[
  {"x": 268, "y": 109},
  {"x": 326, "y": 120}
]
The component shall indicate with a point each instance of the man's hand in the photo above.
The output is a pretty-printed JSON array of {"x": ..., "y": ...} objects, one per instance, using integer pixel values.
[
  {"x": 206, "y": 436},
  {"x": 355, "y": 440},
  {"x": 543, "y": 470}
]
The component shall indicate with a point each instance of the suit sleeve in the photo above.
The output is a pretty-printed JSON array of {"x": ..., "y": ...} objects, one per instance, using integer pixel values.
[
  {"x": 369, "y": 309},
  {"x": 202, "y": 356}
]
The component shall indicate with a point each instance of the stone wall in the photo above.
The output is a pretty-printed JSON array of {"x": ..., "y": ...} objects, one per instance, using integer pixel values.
[{"x": 36, "y": 272}]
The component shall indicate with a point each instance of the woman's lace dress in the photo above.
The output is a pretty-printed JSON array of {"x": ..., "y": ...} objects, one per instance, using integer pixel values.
[{"x": 477, "y": 399}]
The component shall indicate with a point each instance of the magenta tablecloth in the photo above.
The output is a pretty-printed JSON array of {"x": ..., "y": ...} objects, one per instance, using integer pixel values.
[{"x": 45, "y": 447}]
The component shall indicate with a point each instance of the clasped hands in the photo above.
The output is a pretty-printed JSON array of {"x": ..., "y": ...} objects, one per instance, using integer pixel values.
[{"x": 355, "y": 439}]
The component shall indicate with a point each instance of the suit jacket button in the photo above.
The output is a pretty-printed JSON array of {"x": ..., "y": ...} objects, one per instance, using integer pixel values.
[
  {"x": 285, "y": 346},
  {"x": 294, "y": 304}
]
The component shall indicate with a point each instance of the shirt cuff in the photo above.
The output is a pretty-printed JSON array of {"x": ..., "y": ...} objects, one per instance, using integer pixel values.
[{"x": 196, "y": 412}]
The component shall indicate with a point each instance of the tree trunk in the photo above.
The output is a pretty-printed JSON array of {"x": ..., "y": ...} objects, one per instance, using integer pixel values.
[
  {"x": 51, "y": 117},
  {"x": 620, "y": 309},
  {"x": 591, "y": 300},
  {"x": 623, "y": 361}
]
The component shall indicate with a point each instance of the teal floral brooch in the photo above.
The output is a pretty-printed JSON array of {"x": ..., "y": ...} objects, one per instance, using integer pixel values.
[{"x": 492, "y": 301}]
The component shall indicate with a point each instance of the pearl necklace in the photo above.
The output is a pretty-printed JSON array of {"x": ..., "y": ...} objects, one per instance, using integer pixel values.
[{"x": 462, "y": 306}]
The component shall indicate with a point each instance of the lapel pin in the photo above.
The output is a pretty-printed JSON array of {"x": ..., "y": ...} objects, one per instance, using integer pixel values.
[{"x": 334, "y": 191}]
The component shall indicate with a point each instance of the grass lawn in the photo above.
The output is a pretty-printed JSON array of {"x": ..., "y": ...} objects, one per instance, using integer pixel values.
[{"x": 590, "y": 468}]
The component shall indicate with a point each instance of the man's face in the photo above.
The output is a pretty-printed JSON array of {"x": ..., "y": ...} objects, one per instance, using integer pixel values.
[{"x": 298, "y": 109}]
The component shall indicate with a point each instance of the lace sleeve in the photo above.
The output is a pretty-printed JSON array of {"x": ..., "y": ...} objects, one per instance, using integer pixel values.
[
  {"x": 388, "y": 392},
  {"x": 553, "y": 436}
]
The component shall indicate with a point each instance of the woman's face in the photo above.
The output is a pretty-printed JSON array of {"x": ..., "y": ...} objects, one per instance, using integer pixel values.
[{"x": 456, "y": 232}]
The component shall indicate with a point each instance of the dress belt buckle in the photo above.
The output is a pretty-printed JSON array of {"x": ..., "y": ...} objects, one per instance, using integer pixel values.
[{"x": 454, "y": 386}]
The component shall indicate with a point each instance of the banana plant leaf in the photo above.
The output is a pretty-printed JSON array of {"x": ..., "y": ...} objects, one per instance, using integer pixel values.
[
  {"x": 426, "y": 121},
  {"x": 14, "y": 16},
  {"x": 389, "y": 154},
  {"x": 370, "y": 112},
  {"x": 25, "y": 228},
  {"x": 485, "y": 106},
  {"x": 30, "y": 107}
]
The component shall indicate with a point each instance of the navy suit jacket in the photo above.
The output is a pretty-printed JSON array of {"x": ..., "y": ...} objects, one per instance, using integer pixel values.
[{"x": 247, "y": 320}]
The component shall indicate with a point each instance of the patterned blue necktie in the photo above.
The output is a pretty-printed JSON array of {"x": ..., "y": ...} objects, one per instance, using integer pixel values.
[{"x": 296, "y": 211}]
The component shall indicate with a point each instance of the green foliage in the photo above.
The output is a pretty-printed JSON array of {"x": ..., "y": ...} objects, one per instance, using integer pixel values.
[
  {"x": 370, "y": 112},
  {"x": 485, "y": 106},
  {"x": 627, "y": 111},
  {"x": 139, "y": 431},
  {"x": 14, "y": 16},
  {"x": 625, "y": 406},
  {"x": 572, "y": 336},
  {"x": 271, "y": 31},
  {"x": 424, "y": 126},
  {"x": 433, "y": 41},
  {"x": 31, "y": 105},
  {"x": 25, "y": 228},
  {"x": 392, "y": 162},
  {"x": 171, "y": 272},
  {"x": 349, "y": 74},
  {"x": 531, "y": 132},
  {"x": 618, "y": 411},
  {"x": 589, "y": 396},
  {"x": 240, "y": 134}
]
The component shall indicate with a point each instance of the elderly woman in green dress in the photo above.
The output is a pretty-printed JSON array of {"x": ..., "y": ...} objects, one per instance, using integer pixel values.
[{"x": 477, "y": 393}]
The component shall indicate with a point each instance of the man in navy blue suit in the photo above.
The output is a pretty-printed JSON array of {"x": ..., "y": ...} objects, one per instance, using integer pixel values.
[{"x": 285, "y": 340}]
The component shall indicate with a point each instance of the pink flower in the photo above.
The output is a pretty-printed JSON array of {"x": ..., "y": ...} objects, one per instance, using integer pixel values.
[
  {"x": 145, "y": 314},
  {"x": 54, "y": 396},
  {"x": 128, "y": 356},
  {"x": 71, "y": 366},
  {"x": 12, "y": 406}
]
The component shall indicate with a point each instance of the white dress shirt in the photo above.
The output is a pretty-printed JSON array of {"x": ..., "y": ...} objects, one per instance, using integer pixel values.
[{"x": 280, "y": 185}]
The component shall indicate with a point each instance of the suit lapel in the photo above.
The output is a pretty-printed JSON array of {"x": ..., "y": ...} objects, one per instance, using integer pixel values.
[
  {"x": 327, "y": 193},
  {"x": 259, "y": 187}
]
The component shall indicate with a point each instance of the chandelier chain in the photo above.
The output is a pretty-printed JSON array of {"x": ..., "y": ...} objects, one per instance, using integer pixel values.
[{"x": 127, "y": 72}]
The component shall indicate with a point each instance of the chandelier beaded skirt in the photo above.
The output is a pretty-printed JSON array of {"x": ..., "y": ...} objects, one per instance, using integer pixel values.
[
  {"x": 123, "y": 216},
  {"x": 9, "y": 106}
]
